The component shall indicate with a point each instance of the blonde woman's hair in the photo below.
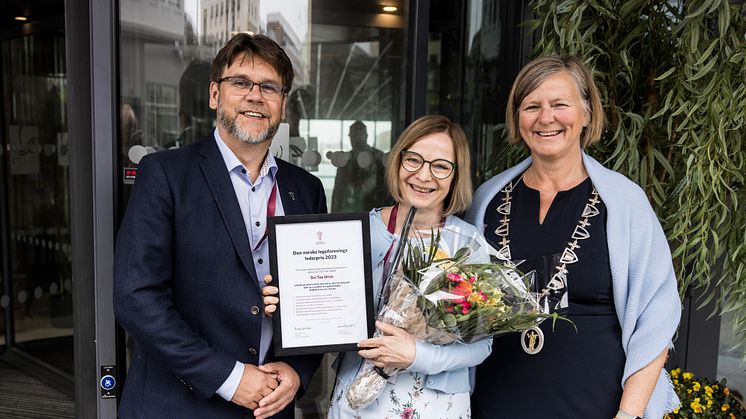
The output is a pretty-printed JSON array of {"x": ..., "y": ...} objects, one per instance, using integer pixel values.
[{"x": 459, "y": 197}]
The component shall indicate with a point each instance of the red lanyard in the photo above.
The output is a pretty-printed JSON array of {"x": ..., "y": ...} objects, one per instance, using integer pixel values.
[
  {"x": 392, "y": 219},
  {"x": 392, "y": 227},
  {"x": 271, "y": 207}
]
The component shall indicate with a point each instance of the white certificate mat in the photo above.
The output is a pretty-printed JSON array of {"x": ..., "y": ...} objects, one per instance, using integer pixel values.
[{"x": 321, "y": 265}]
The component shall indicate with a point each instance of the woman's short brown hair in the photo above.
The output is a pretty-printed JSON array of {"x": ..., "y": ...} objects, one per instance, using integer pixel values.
[
  {"x": 540, "y": 69},
  {"x": 459, "y": 197},
  {"x": 246, "y": 46}
]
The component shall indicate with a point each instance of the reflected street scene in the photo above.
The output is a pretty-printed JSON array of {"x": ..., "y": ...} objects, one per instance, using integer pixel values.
[{"x": 342, "y": 113}]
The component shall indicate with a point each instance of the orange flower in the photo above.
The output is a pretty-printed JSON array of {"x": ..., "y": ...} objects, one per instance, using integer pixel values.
[{"x": 463, "y": 289}]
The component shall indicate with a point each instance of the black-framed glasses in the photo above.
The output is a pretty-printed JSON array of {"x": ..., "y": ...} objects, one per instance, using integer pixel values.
[
  {"x": 439, "y": 168},
  {"x": 242, "y": 85}
]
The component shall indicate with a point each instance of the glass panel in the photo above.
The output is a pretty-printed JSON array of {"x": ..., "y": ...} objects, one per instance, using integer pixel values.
[
  {"x": 474, "y": 54},
  {"x": 349, "y": 63},
  {"x": 731, "y": 365},
  {"x": 349, "y": 66},
  {"x": 38, "y": 199}
]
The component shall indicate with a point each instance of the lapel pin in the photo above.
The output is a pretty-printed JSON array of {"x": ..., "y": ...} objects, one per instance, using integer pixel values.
[{"x": 292, "y": 195}]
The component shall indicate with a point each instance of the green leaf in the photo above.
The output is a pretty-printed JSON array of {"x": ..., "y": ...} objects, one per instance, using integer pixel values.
[
  {"x": 705, "y": 70},
  {"x": 449, "y": 320},
  {"x": 701, "y": 10},
  {"x": 631, "y": 8},
  {"x": 706, "y": 54},
  {"x": 694, "y": 40},
  {"x": 665, "y": 75},
  {"x": 724, "y": 18}
]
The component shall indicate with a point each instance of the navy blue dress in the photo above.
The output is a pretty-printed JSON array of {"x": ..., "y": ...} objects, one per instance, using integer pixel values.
[{"x": 576, "y": 375}]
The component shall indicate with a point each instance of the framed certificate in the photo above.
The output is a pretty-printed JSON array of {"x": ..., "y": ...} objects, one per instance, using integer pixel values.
[{"x": 321, "y": 265}]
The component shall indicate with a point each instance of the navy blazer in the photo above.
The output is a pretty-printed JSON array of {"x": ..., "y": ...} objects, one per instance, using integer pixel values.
[{"x": 185, "y": 286}]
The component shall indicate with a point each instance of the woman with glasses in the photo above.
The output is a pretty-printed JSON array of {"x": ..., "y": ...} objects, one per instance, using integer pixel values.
[{"x": 428, "y": 168}]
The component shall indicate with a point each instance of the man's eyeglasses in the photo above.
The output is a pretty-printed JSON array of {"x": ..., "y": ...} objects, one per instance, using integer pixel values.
[
  {"x": 439, "y": 168},
  {"x": 242, "y": 85}
]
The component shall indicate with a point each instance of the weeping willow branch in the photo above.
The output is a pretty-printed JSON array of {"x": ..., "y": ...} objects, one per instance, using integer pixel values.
[{"x": 672, "y": 81}]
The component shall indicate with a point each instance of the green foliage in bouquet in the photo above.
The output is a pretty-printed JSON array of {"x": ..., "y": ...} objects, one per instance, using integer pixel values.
[
  {"x": 671, "y": 75},
  {"x": 469, "y": 300},
  {"x": 483, "y": 305},
  {"x": 704, "y": 398}
]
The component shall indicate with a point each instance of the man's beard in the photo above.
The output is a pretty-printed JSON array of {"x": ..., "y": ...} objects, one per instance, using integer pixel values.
[{"x": 231, "y": 125}]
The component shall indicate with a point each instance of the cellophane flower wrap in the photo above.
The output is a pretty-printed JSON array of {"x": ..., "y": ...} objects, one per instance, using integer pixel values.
[{"x": 445, "y": 289}]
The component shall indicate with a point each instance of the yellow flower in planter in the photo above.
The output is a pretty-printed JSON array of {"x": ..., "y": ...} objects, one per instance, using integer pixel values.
[
  {"x": 696, "y": 407},
  {"x": 703, "y": 398}
]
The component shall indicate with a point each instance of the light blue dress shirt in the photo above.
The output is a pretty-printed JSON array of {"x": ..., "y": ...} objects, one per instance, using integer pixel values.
[{"x": 253, "y": 200}]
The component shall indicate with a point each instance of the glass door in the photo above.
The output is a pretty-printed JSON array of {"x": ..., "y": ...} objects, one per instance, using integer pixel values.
[
  {"x": 346, "y": 106},
  {"x": 36, "y": 294}
]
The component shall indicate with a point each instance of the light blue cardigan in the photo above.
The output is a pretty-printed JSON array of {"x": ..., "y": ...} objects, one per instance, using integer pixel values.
[
  {"x": 645, "y": 295},
  {"x": 448, "y": 368}
]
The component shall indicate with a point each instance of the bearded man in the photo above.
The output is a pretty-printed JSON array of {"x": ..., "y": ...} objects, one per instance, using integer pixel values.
[{"x": 191, "y": 254}]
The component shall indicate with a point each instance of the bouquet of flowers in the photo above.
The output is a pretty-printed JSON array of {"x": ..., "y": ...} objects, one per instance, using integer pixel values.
[
  {"x": 704, "y": 398},
  {"x": 441, "y": 299}
]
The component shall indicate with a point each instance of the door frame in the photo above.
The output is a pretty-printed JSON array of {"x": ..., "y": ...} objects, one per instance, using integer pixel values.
[{"x": 92, "y": 49}]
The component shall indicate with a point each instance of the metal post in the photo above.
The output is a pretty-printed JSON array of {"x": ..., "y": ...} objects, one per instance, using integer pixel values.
[
  {"x": 418, "y": 35},
  {"x": 91, "y": 52}
]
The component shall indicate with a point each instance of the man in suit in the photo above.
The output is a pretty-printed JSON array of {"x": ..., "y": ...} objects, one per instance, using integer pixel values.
[{"x": 192, "y": 249}]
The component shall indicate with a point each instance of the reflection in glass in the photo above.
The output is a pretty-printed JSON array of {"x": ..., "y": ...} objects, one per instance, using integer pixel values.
[
  {"x": 731, "y": 365},
  {"x": 475, "y": 50},
  {"x": 38, "y": 196},
  {"x": 348, "y": 61},
  {"x": 359, "y": 182},
  {"x": 349, "y": 64}
]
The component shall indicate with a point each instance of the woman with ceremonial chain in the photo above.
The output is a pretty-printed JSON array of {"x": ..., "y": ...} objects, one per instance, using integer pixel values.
[{"x": 601, "y": 259}]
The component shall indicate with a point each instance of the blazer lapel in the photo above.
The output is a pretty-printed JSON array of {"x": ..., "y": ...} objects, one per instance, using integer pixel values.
[
  {"x": 289, "y": 193},
  {"x": 218, "y": 179}
]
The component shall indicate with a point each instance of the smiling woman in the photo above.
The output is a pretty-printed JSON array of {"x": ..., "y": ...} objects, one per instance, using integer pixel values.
[
  {"x": 609, "y": 263},
  {"x": 429, "y": 169},
  {"x": 552, "y": 117},
  {"x": 421, "y": 188}
]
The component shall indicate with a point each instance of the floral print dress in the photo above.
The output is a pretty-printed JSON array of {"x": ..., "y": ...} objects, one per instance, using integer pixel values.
[{"x": 404, "y": 397}]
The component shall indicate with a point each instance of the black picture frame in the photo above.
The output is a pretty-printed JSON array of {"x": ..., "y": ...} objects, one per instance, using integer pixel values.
[{"x": 359, "y": 220}]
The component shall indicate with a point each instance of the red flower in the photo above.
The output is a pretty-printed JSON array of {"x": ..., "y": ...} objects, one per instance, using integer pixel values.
[
  {"x": 407, "y": 413},
  {"x": 455, "y": 277}
]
